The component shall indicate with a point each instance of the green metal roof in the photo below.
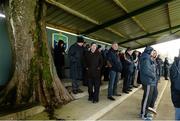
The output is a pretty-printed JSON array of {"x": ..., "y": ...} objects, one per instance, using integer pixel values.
[{"x": 132, "y": 23}]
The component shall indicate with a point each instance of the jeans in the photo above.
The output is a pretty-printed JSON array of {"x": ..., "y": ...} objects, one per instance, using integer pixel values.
[
  {"x": 177, "y": 113},
  {"x": 155, "y": 95},
  {"x": 113, "y": 80}
]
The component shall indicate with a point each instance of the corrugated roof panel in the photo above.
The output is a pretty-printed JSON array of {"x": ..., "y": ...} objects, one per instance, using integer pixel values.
[
  {"x": 99, "y": 10},
  {"x": 107, "y": 35},
  {"x": 132, "y": 5},
  {"x": 154, "y": 20},
  {"x": 130, "y": 44},
  {"x": 145, "y": 40},
  {"x": 128, "y": 28},
  {"x": 174, "y": 11},
  {"x": 69, "y": 21}
]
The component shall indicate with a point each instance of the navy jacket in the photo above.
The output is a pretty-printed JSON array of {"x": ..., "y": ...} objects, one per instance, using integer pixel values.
[
  {"x": 147, "y": 68},
  {"x": 114, "y": 60},
  {"x": 175, "y": 82}
]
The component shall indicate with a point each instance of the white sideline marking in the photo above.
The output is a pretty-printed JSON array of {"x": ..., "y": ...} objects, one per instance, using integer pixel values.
[
  {"x": 160, "y": 96},
  {"x": 111, "y": 106}
]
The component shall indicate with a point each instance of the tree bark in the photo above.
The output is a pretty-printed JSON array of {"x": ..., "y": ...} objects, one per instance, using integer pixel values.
[{"x": 34, "y": 78}]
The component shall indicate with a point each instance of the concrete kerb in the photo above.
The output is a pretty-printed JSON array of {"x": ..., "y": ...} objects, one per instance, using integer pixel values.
[{"x": 23, "y": 114}]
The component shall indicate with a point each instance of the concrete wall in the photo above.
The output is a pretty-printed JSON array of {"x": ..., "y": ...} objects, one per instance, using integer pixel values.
[{"x": 5, "y": 53}]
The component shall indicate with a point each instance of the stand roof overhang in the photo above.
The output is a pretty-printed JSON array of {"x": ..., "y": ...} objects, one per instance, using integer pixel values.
[{"x": 132, "y": 23}]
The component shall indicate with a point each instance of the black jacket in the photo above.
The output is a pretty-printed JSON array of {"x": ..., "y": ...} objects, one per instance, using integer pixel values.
[
  {"x": 76, "y": 54},
  {"x": 59, "y": 56},
  {"x": 175, "y": 82},
  {"x": 114, "y": 60},
  {"x": 93, "y": 63}
]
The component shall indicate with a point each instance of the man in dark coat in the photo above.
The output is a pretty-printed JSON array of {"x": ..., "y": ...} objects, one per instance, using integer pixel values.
[
  {"x": 59, "y": 53},
  {"x": 75, "y": 54},
  {"x": 175, "y": 86},
  {"x": 166, "y": 68},
  {"x": 115, "y": 68},
  {"x": 93, "y": 63}
]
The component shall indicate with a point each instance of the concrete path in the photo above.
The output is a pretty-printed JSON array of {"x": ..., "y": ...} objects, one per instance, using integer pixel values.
[
  {"x": 130, "y": 108},
  {"x": 166, "y": 109},
  {"x": 126, "y": 107}
]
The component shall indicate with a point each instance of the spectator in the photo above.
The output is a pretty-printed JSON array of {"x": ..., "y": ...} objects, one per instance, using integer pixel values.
[
  {"x": 148, "y": 79},
  {"x": 128, "y": 71},
  {"x": 115, "y": 67},
  {"x": 59, "y": 53},
  {"x": 93, "y": 64},
  {"x": 166, "y": 68},
  {"x": 175, "y": 86},
  {"x": 76, "y": 53},
  {"x": 151, "y": 108}
]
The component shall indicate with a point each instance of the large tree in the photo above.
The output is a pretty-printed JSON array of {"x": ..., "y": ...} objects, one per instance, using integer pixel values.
[{"x": 34, "y": 78}]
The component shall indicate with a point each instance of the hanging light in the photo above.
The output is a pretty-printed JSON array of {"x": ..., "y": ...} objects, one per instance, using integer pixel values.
[{"x": 2, "y": 15}]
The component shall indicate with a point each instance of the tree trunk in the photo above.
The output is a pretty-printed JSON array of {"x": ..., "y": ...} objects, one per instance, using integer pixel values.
[{"x": 34, "y": 78}]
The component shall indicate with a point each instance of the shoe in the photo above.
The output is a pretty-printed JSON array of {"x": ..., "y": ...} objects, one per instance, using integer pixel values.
[
  {"x": 147, "y": 117},
  {"x": 117, "y": 95},
  {"x": 152, "y": 110},
  {"x": 135, "y": 86},
  {"x": 79, "y": 91},
  {"x": 74, "y": 91},
  {"x": 129, "y": 90},
  {"x": 95, "y": 101},
  {"x": 111, "y": 98},
  {"x": 90, "y": 99},
  {"x": 126, "y": 92}
]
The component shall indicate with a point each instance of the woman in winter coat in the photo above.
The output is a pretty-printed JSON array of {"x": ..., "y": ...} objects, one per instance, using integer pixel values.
[
  {"x": 59, "y": 53},
  {"x": 93, "y": 63}
]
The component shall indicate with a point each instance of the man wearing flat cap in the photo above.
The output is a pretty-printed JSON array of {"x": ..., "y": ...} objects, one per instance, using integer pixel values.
[{"x": 75, "y": 55}]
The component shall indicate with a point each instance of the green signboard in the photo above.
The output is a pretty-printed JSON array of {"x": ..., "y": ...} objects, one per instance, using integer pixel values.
[{"x": 59, "y": 36}]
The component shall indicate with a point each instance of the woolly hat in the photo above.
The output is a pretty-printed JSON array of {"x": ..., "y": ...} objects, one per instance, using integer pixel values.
[{"x": 80, "y": 39}]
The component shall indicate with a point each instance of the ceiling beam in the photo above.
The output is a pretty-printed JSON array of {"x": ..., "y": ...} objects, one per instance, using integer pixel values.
[
  {"x": 133, "y": 18},
  {"x": 126, "y": 16},
  {"x": 82, "y": 16},
  {"x": 168, "y": 16},
  {"x": 150, "y": 34}
]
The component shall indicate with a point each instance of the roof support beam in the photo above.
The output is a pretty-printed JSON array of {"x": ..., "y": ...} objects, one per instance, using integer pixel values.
[
  {"x": 78, "y": 14},
  {"x": 150, "y": 34},
  {"x": 168, "y": 16},
  {"x": 131, "y": 14},
  {"x": 127, "y": 11}
]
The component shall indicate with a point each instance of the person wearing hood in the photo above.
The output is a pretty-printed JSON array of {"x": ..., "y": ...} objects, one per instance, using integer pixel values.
[
  {"x": 148, "y": 79},
  {"x": 59, "y": 53},
  {"x": 175, "y": 85}
]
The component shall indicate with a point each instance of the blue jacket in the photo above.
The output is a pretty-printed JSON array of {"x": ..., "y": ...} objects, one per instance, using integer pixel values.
[
  {"x": 175, "y": 82},
  {"x": 114, "y": 60},
  {"x": 147, "y": 68}
]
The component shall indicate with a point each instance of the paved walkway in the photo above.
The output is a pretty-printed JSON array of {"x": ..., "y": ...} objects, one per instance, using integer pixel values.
[
  {"x": 165, "y": 109},
  {"x": 126, "y": 107},
  {"x": 130, "y": 108}
]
